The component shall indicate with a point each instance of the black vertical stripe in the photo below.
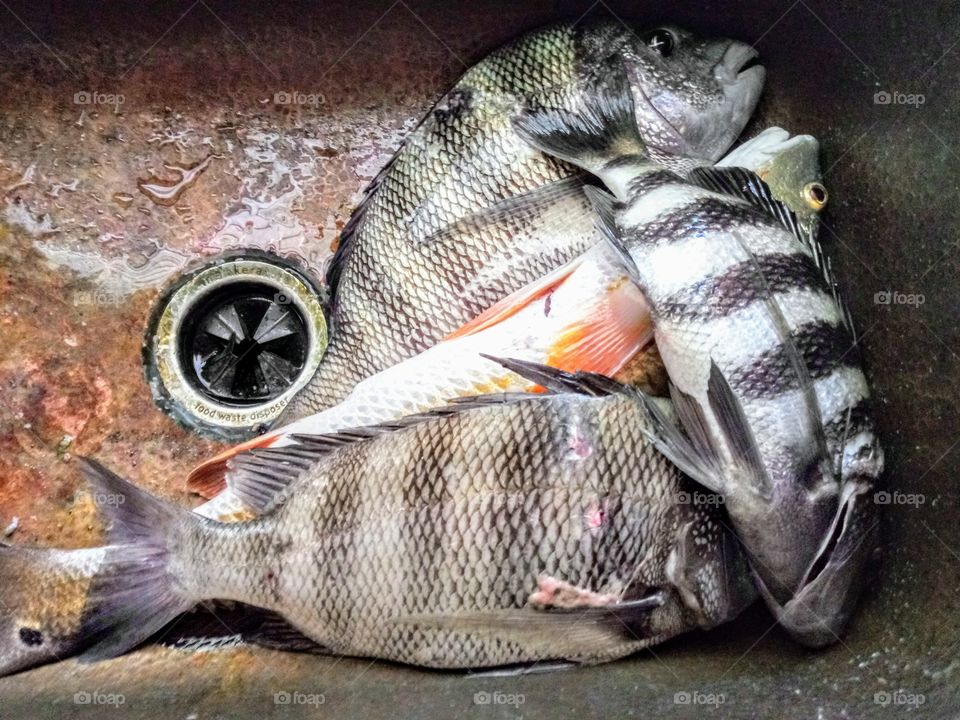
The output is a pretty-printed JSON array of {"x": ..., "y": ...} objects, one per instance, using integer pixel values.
[
  {"x": 824, "y": 347},
  {"x": 740, "y": 285}
]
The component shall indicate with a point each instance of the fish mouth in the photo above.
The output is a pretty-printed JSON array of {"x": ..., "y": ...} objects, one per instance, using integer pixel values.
[{"x": 739, "y": 62}]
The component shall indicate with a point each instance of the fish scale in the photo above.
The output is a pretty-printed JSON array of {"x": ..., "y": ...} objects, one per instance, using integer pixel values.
[
  {"x": 748, "y": 324},
  {"x": 401, "y": 280},
  {"x": 431, "y": 559}
]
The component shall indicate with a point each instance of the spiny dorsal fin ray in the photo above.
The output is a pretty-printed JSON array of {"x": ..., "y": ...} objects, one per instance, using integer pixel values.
[
  {"x": 561, "y": 381},
  {"x": 747, "y": 185},
  {"x": 825, "y": 266},
  {"x": 260, "y": 476}
]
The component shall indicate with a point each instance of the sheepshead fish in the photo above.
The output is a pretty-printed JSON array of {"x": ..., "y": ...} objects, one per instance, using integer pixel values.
[
  {"x": 789, "y": 165},
  {"x": 586, "y": 316},
  {"x": 506, "y": 529},
  {"x": 47, "y": 596},
  {"x": 413, "y": 264},
  {"x": 760, "y": 354},
  {"x": 43, "y": 603},
  {"x": 53, "y": 621}
]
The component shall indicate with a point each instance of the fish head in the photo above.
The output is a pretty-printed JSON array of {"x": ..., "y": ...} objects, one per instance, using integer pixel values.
[
  {"x": 820, "y": 609},
  {"x": 43, "y": 598},
  {"x": 790, "y": 166},
  {"x": 692, "y": 96},
  {"x": 840, "y": 509}
]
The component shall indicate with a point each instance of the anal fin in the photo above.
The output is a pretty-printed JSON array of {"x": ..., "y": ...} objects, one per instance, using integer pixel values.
[{"x": 209, "y": 478}]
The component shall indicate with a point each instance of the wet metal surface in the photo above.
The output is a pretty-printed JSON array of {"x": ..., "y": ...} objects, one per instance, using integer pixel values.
[{"x": 135, "y": 144}]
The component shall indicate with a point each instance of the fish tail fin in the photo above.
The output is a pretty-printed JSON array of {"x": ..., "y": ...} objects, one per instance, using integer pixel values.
[
  {"x": 42, "y": 601},
  {"x": 209, "y": 478},
  {"x": 597, "y": 128},
  {"x": 137, "y": 590}
]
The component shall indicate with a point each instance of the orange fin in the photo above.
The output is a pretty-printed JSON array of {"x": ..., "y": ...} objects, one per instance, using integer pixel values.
[
  {"x": 210, "y": 477},
  {"x": 609, "y": 336},
  {"x": 515, "y": 302}
]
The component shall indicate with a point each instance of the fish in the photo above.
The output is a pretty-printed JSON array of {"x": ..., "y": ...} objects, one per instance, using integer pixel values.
[
  {"x": 759, "y": 351},
  {"x": 418, "y": 259},
  {"x": 586, "y": 316},
  {"x": 789, "y": 165},
  {"x": 503, "y": 529},
  {"x": 378, "y": 399},
  {"x": 48, "y": 596},
  {"x": 43, "y": 602}
]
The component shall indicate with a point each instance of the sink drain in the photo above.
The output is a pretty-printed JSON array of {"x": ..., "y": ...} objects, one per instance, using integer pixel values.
[{"x": 231, "y": 343}]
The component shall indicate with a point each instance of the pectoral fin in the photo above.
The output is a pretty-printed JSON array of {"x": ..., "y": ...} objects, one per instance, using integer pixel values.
[
  {"x": 576, "y": 622},
  {"x": 515, "y": 302}
]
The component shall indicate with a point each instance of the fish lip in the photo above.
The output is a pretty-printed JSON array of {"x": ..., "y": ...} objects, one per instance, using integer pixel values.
[
  {"x": 732, "y": 65},
  {"x": 740, "y": 85}
]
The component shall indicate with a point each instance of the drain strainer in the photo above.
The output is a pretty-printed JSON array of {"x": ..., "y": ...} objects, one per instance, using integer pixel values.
[{"x": 231, "y": 343}]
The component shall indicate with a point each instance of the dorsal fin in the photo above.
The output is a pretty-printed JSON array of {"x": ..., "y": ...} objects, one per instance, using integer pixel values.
[
  {"x": 812, "y": 243},
  {"x": 746, "y": 185},
  {"x": 259, "y": 477},
  {"x": 350, "y": 230},
  {"x": 561, "y": 381}
]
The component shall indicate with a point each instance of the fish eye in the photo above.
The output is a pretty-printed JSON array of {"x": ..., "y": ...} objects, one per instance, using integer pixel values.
[
  {"x": 31, "y": 637},
  {"x": 815, "y": 195},
  {"x": 661, "y": 41}
]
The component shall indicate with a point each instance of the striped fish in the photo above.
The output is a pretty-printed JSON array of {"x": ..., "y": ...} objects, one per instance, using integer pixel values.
[
  {"x": 411, "y": 267},
  {"x": 504, "y": 529},
  {"x": 586, "y": 316},
  {"x": 563, "y": 319},
  {"x": 762, "y": 361}
]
